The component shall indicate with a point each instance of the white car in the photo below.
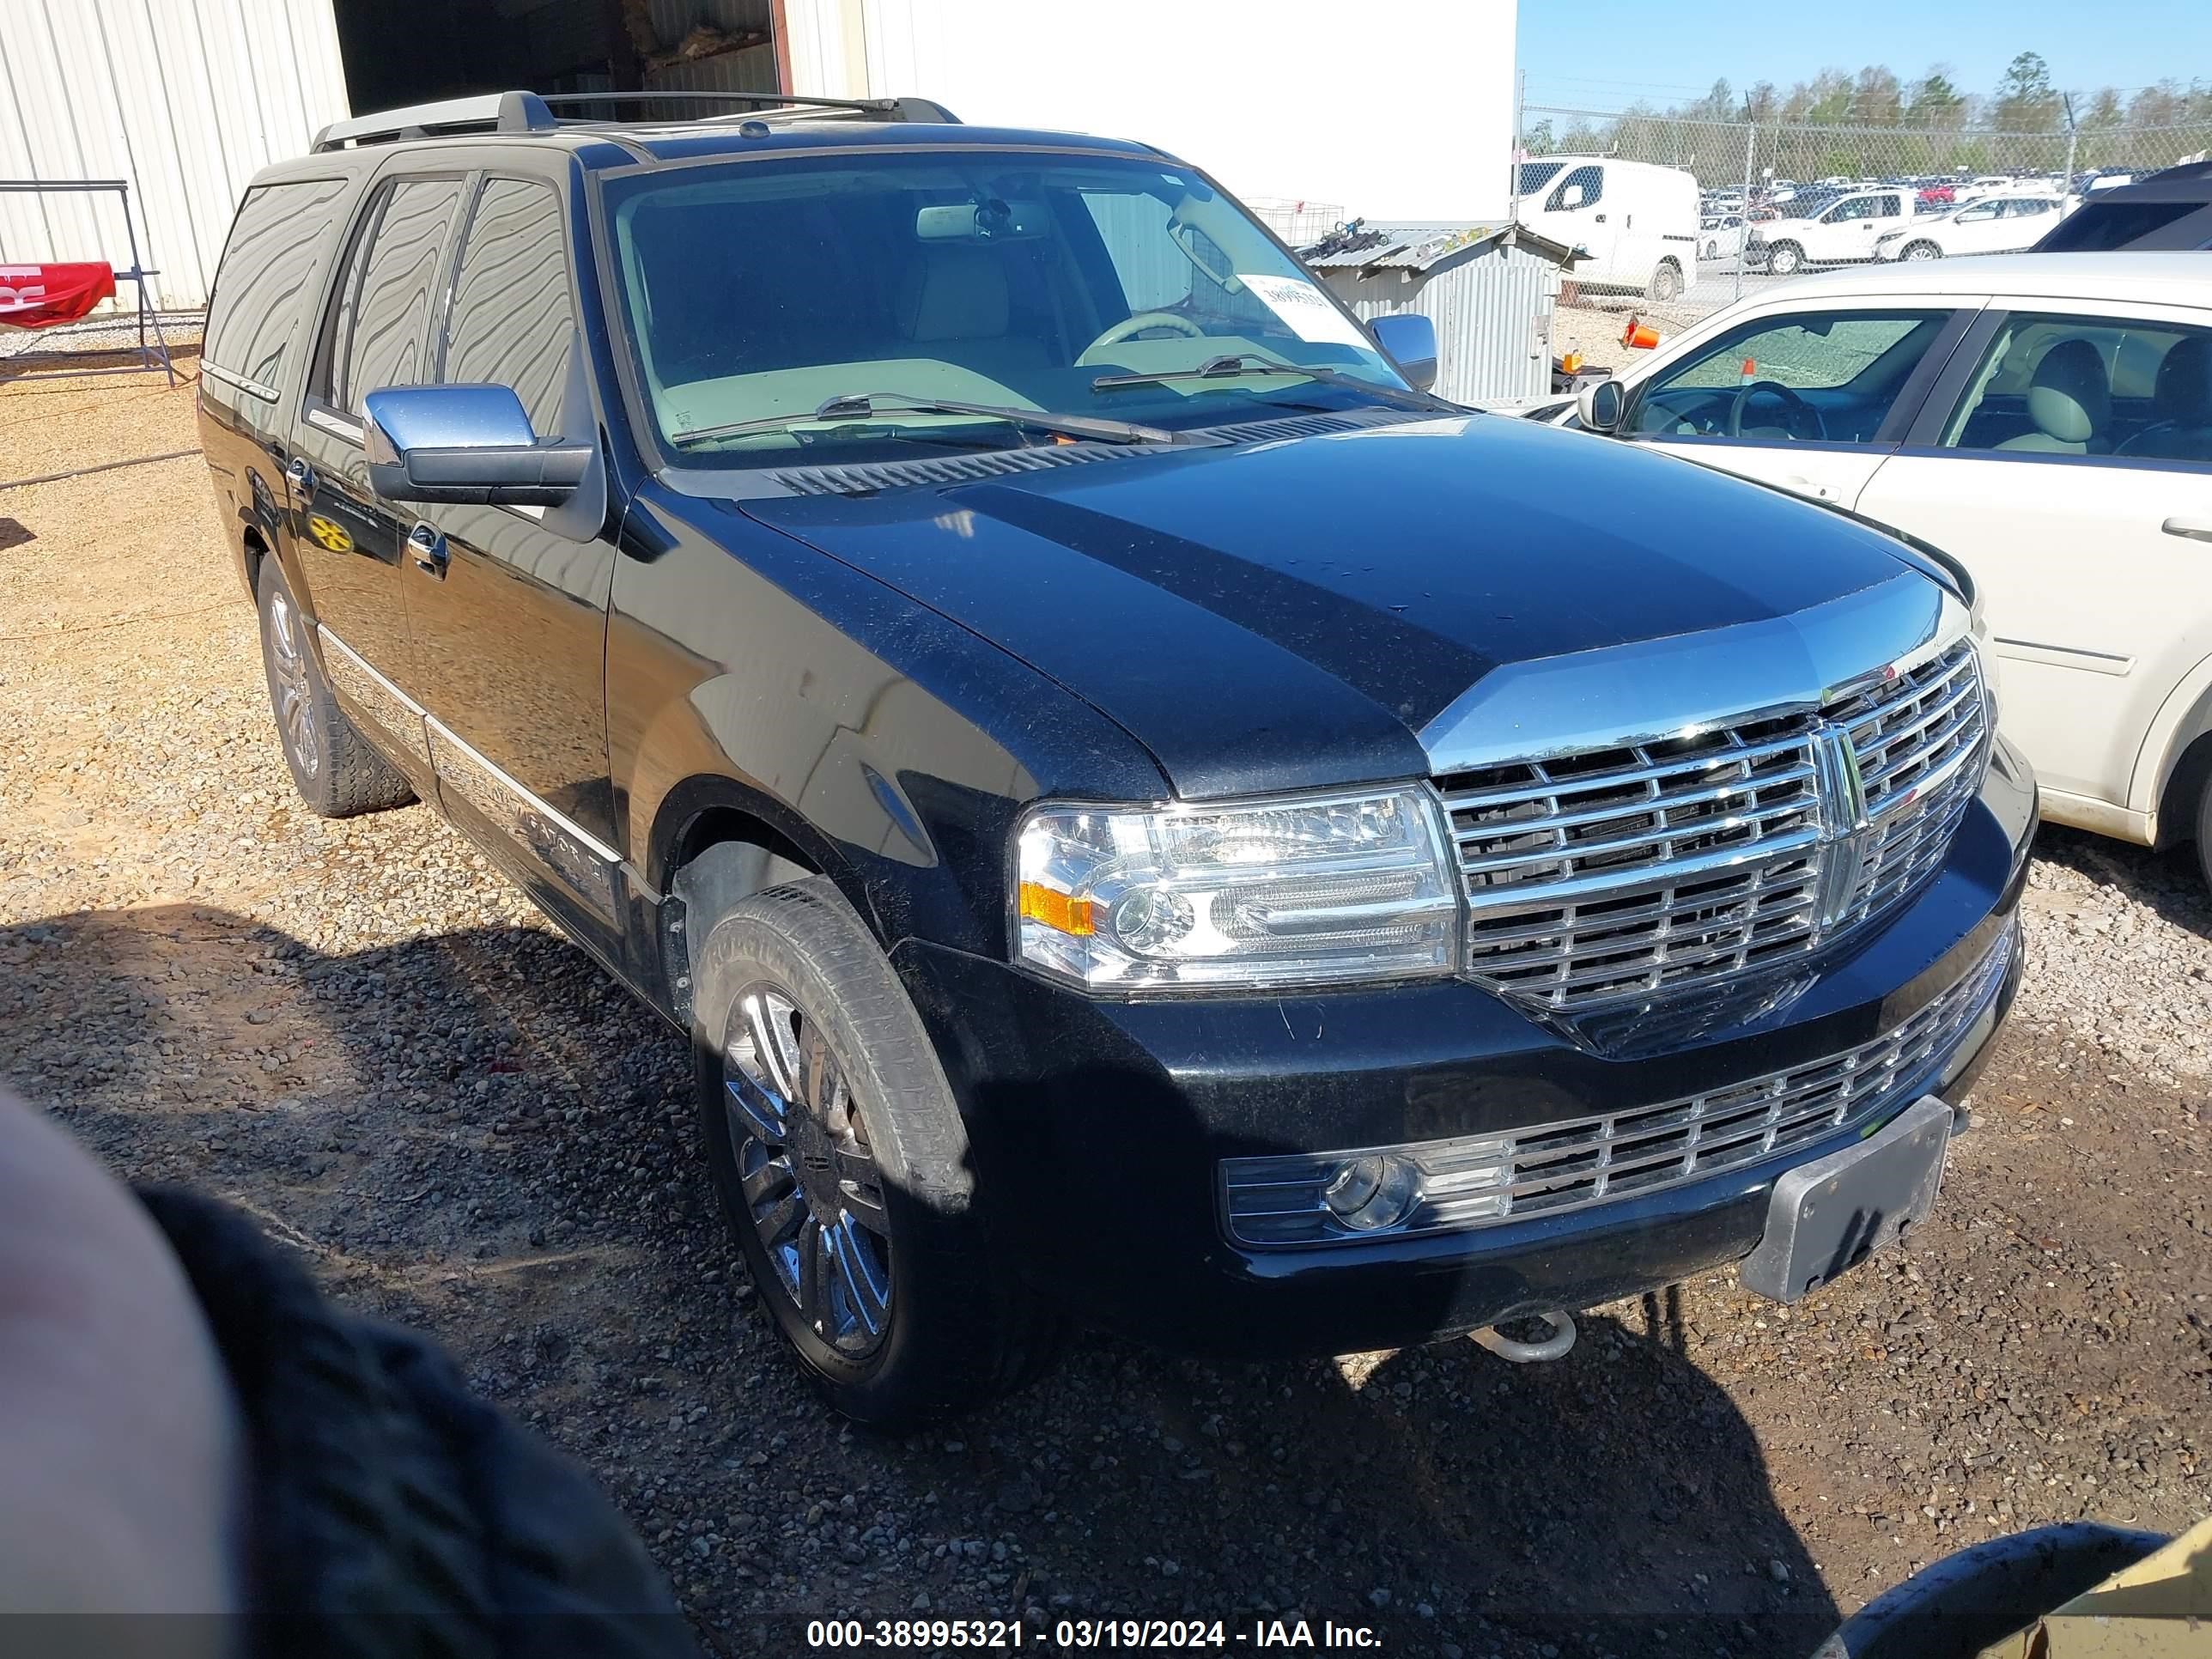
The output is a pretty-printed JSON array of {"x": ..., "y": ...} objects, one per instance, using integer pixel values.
[
  {"x": 1720, "y": 236},
  {"x": 1995, "y": 224},
  {"x": 1841, "y": 230},
  {"x": 2046, "y": 420}
]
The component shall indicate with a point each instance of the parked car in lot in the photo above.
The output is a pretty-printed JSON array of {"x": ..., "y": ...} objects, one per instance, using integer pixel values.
[
  {"x": 2046, "y": 421},
  {"x": 1995, "y": 224},
  {"x": 1720, "y": 236},
  {"x": 1146, "y": 816},
  {"x": 2168, "y": 210},
  {"x": 1636, "y": 222},
  {"x": 1838, "y": 231}
]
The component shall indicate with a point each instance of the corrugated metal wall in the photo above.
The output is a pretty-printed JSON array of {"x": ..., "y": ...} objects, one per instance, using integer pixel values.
[
  {"x": 185, "y": 99},
  {"x": 1493, "y": 318}
]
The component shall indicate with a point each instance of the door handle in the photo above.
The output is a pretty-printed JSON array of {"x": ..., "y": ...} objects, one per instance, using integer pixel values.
[
  {"x": 429, "y": 547},
  {"x": 299, "y": 476},
  {"x": 2197, "y": 530},
  {"x": 1804, "y": 486},
  {"x": 1601, "y": 218}
]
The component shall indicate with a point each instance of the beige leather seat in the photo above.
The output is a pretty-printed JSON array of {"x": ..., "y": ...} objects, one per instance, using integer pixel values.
[
  {"x": 2181, "y": 406},
  {"x": 2070, "y": 399},
  {"x": 956, "y": 299}
]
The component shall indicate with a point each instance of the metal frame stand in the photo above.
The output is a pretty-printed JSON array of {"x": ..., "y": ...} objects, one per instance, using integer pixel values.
[{"x": 150, "y": 356}]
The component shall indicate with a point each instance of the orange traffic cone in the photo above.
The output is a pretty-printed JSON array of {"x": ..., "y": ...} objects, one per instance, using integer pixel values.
[{"x": 1639, "y": 336}]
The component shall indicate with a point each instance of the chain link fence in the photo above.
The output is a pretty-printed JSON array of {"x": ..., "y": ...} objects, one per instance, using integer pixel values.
[{"x": 1773, "y": 199}]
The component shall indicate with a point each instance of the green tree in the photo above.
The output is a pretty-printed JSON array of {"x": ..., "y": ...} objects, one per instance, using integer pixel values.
[
  {"x": 1877, "y": 99},
  {"x": 1934, "y": 103},
  {"x": 2025, "y": 100},
  {"x": 1761, "y": 103}
]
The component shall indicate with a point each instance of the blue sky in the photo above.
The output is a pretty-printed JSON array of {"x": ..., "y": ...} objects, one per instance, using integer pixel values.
[{"x": 1602, "y": 54}]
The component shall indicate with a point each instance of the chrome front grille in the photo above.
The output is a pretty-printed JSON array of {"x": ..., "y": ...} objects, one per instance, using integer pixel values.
[
  {"x": 1572, "y": 1164},
  {"x": 1626, "y": 876}
]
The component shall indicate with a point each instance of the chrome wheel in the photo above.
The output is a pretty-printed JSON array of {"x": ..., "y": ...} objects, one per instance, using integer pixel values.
[
  {"x": 295, "y": 703},
  {"x": 811, "y": 1181}
]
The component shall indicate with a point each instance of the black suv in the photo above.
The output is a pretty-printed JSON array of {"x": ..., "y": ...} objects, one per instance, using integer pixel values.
[
  {"x": 1149, "y": 818},
  {"x": 2167, "y": 210}
]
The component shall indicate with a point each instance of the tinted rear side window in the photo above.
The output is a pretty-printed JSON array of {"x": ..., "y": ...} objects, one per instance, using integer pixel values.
[
  {"x": 512, "y": 324},
  {"x": 391, "y": 319},
  {"x": 2100, "y": 226},
  {"x": 269, "y": 276}
]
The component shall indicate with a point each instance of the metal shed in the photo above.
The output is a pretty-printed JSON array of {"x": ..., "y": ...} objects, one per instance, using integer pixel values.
[{"x": 1490, "y": 290}]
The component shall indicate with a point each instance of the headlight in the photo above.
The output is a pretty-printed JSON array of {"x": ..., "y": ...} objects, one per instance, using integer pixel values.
[
  {"x": 1887, "y": 236},
  {"x": 1304, "y": 890}
]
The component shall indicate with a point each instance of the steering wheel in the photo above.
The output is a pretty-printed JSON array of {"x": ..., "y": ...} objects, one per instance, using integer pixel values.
[
  {"x": 1130, "y": 327},
  {"x": 1797, "y": 406}
]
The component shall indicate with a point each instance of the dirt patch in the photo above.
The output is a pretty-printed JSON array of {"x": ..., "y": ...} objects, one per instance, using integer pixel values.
[{"x": 363, "y": 1036}]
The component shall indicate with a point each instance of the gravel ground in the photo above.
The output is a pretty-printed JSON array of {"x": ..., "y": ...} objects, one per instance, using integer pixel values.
[{"x": 360, "y": 1034}]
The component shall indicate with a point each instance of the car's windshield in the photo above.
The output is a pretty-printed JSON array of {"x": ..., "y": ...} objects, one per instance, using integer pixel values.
[{"x": 763, "y": 289}]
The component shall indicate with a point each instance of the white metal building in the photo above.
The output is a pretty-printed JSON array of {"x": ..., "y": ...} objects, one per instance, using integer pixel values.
[{"x": 1408, "y": 118}]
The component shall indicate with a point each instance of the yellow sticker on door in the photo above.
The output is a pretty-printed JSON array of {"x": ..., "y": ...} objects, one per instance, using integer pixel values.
[{"x": 330, "y": 535}]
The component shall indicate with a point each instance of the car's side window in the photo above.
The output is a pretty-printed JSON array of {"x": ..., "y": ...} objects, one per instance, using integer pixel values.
[
  {"x": 512, "y": 323},
  {"x": 379, "y": 326},
  {"x": 1590, "y": 180},
  {"x": 2054, "y": 385},
  {"x": 1814, "y": 376},
  {"x": 263, "y": 284}
]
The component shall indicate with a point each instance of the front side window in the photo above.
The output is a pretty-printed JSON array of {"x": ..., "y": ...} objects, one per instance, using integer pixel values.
[
  {"x": 1590, "y": 181},
  {"x": 1851, "y": 207},
  {"x": 512, "y": 322},
  {"x": 1811, "y": 376},
  {"x": 383, "y": 328},
  {"x": 754, "y": 293},
  {"x": 1534, "y": 175},
  {"x": 2053, "y": 385}
]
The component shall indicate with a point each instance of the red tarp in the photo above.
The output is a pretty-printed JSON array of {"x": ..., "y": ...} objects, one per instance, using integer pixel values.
[{"x": 40, "y": 296}]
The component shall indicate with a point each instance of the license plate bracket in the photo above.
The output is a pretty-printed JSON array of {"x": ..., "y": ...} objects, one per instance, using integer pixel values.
[{"x": 1828, "y": 1216}]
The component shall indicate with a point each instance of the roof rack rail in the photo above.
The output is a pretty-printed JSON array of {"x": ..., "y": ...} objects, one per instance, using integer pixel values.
[
  {"x": 495, "y": 111},
  {"x": 531, "y": 112}
]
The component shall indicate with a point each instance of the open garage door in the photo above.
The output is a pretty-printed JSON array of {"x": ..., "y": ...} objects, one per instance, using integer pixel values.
[{"x": 413, "y": 52}]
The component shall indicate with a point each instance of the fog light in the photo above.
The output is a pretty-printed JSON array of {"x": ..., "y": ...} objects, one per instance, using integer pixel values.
[{"x": 1375, "y": 1190}]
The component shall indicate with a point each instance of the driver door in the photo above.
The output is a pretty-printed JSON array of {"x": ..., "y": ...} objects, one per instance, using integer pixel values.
[{"x": 1810, "y": 398}]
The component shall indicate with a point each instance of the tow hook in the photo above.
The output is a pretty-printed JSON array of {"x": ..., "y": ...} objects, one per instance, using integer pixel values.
[{"x": 1524, "y": 1353}]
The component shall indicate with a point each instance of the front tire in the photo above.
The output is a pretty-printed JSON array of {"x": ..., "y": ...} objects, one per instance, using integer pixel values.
[
  {"x": 1922, "y": 251},
  {"x": 337, "y": 772},
  {"x": 1785, "y": 259},
  {"x": 2204, "y": 832},
  {"x": 843, "y": 1167}
]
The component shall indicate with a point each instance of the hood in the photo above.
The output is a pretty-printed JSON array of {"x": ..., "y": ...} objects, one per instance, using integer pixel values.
[{"x": 1308, "y": 612}]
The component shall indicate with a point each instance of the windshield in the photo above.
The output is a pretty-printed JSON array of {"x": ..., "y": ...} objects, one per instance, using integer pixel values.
[
  {"x": 1534, "y": 175},
  {"x": 757, "y": 291}
]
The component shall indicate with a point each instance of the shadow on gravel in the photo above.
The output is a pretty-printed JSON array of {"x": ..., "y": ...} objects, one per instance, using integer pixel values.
[
  {"x": 477, "y": 1133},
  {"x": 2171, "y": 883}
]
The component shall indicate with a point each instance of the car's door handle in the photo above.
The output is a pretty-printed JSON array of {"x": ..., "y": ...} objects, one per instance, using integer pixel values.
[
  {"x": 1804, "y": 486},
  {"x": 1601, "y": 218},
  {"x": 299, "y": 476},
  {"x": 429, "y": 547},
  {"x": 2197, "y": 530}
]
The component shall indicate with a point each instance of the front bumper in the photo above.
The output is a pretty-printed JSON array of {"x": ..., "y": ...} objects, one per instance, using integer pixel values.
[{"x": 1099, "y": 1127}]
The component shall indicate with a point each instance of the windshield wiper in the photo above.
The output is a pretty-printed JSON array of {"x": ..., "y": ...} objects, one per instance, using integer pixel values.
[
  {"x": 1232, "y": 365},
  {"x": 860, "y": 405}
]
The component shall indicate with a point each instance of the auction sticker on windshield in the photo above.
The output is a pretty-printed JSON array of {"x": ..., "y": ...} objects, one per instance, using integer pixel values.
[{"x": 1305, "y": 311}]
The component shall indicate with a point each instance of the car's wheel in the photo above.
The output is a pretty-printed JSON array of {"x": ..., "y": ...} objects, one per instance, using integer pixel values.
[
  {"x": 337, "y": 771},
  {"x": 1922, "y": 251},
  {"x": 1667, "y": 281},
  {"x": 1785, "y": 258},
  {"x": 2204, "y": 832},
  {"x": 844, "y": 1168}
]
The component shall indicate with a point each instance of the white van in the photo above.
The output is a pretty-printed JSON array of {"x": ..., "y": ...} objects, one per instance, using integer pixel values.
[{"x": 1636, "y": 223}]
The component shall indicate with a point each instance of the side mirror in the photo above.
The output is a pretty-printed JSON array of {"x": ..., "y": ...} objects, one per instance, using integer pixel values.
[
  {"x": 1409, "y": 340},
  {"x": 1601, "y": 404},
  {"x": 1571, "y": 198},
  {"x": 465, "y": 443}
]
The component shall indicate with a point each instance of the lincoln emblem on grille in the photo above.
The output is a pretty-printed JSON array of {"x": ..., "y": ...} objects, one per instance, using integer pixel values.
[{"x": 1846, "y": 831}]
